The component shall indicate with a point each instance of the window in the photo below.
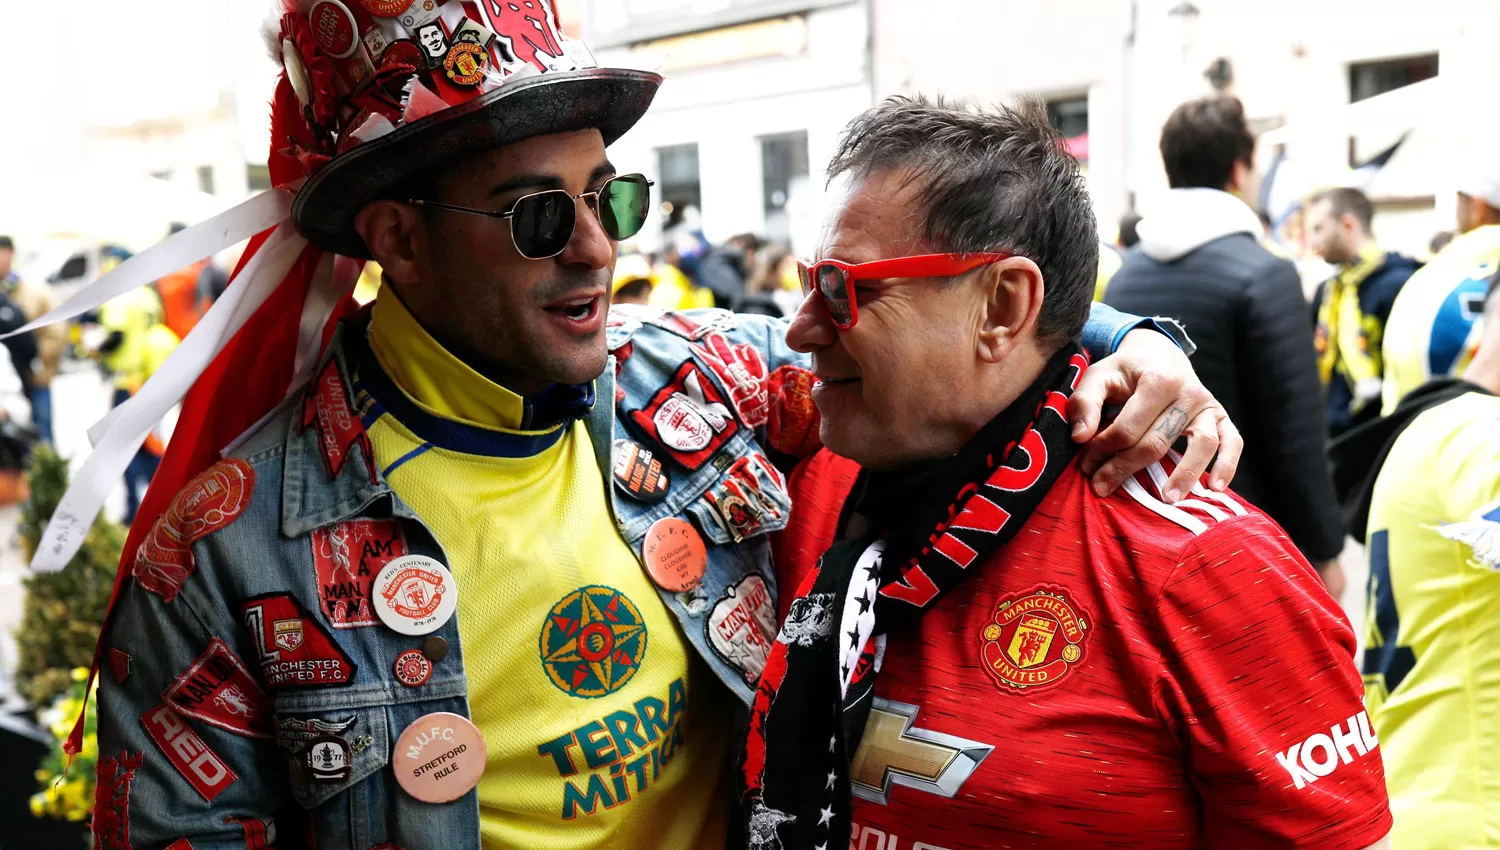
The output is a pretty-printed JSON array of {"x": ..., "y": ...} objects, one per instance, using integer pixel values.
[
  {"x": 1367, "y": 79},
  {"x": 258, "y": 177},
  {"x": 1071, "y": 118},
  {"x": 680, "y": 189},
  {"x": 783, "y": 163},
  {"x": 206, "y": 179}
]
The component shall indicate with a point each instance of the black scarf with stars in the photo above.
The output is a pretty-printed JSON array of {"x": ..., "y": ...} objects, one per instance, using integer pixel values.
[{"x": 905, "y": 540}]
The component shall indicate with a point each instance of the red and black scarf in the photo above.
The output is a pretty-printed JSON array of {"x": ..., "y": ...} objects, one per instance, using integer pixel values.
[{"x": 906, "y": 540}]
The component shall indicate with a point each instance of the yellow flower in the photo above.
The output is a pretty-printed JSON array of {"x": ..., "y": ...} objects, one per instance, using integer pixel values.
[
  {"x": 38, "y": 805},
  {"x": 42, "y": 775},
  {"x": 80, "y": 673},
  {"x": 77, "y": 814},
  {"x": 90, "y": 748}
]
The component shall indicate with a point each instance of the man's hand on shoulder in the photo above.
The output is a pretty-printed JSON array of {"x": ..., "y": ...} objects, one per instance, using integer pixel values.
[{"x": 1163, "y": 400}]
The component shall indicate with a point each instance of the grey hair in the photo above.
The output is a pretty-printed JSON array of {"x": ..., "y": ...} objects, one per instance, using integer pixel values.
[{"x": 993, "y": 179}]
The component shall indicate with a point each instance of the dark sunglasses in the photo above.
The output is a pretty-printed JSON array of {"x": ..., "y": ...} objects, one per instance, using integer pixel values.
[
  {"x": 834, "y": 280},
  {"x": 541, "y": 224}
]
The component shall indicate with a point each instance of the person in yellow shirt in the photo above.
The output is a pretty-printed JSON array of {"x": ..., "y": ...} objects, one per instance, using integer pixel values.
[
  {"x": 1432, "y": 330},
  {"x": 1430, "y": 518},
  {"x": 138, "y": 342}
]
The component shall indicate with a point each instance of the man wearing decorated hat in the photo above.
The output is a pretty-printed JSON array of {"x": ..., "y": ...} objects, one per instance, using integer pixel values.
[{"x": 481, "y": 567}]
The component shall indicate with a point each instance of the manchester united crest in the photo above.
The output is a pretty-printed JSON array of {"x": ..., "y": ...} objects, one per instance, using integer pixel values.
[
  {"x": 1034, "y": 640},
  {"x": 593, "y": 642}
]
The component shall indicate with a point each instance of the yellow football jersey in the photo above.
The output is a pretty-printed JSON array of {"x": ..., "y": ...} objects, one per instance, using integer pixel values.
[
  {"x": 1432, "y": 657},
  {"x": 1432, "y": 331},
  {"x": 603, "y": 728}
]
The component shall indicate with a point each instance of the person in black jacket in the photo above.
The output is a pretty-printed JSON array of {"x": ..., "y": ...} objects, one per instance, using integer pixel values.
[{"x": 1199, "y": 261}]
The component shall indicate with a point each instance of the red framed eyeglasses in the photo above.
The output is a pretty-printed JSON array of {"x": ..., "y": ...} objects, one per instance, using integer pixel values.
[{"x": 834, "y": 280}]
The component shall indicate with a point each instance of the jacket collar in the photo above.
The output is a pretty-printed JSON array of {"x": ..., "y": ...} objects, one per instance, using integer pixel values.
[{"x": 329, "y": 470}]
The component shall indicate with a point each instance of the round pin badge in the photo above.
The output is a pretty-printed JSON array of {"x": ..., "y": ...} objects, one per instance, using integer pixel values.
[
  {"x": 333, "y": 28},
  {"x": 675, "y": 555},
  {"x": 639, "y": 473},
  {"x": 435, "y": 648},
  {"x": 413, "y": 669},
  {"x": 439, "y": 757},
  {"x": 415, "y": 595}
]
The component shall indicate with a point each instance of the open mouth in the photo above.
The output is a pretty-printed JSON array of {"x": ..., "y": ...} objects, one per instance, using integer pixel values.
[{"x": 579, "y": 313}]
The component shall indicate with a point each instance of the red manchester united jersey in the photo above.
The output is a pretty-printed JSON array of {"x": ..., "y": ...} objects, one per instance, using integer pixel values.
[{"x": 1124, "y": 673}]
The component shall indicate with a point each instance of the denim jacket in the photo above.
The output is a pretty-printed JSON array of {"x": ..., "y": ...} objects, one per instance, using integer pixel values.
[{"x": 232, "y": 646}]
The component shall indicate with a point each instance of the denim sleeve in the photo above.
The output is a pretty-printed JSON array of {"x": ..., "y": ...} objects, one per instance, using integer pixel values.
[
  {"x": 163, "y": 776},
  {"x": 1107, "y": 326}
]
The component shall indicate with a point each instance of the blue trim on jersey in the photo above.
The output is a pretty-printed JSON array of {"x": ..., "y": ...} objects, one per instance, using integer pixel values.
[
  {"x": 396, "y": 464},
  {"x": 1452, "y": 323},
  {"x": 386, "y": 397}
]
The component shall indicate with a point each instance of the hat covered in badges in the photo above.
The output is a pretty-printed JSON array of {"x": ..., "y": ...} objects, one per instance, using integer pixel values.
[{"x": 376, "y": 91}]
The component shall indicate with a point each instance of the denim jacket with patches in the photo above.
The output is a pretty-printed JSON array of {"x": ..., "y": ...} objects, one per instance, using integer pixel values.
[{"x": 223, "y": 660}]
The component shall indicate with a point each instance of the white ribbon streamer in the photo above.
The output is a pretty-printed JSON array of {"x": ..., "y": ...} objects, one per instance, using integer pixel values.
[
  {"x": 119, "y": 435},
  {"x": 181, "y": 249}
]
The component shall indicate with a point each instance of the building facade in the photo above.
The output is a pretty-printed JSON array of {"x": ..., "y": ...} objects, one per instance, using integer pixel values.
[{"x": 740, "y": 135}]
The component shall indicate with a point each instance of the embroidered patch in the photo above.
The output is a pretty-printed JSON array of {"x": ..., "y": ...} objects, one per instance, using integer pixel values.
[
  {"x": 742, "y": 370},
  {"x": 259, "y": 834},
  {"x": 207, "y": 504},
  {"x": 688, "y": 417},
  {"x": 593, "y": 642},
  {"x": 742, "y": 626},
  {"x": 112, "y": 800},
  {"x": 348, "y": 557},
  {"x": 294, "y": 734},
  {"x": 119, "y": 664},
  {"x": 219, "y": 690},
  {"x": 689, "y": 328},
  {"x": 180, "y": 844},
  {"x": 199, "y": 765},
  {"x": 295, "y": 650},
  {"x": 339, "y": 428},
  {"x": 741, "y": 499},
  {"x": 1034, "y": 640},
  {"x": 793, "y": 419}
]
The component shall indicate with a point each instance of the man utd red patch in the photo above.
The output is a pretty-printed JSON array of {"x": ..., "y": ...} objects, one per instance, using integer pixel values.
[
  {"x": 259, "y": 834},
  {"x": 199, "y": 765},
  {"x": 112, "y": 800},
  {"x": 180, "y": 844},
  {"x": 295, "y": 650},
  {"x": 218, "y": 690},
  {"x": 1034, "y": 640},
  {"x": 742, "y": 370},
  {"x": 688, "y": 417},
  {"x": 119, "y": 664},
  {"x": 793, "y": 417},
  {"x": 348, "y": 557},
  {"x": 339, "y": 429},
  {"x": 207, "y": 504}
]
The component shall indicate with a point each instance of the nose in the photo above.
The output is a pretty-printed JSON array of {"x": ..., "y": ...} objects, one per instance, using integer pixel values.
[
  {"x": 811, "y": 329},
  {"x": 590, "y": 246}
]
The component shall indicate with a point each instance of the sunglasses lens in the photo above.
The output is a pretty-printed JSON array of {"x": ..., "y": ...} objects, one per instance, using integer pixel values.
[
  {"x": 833, "y": 285},
  {"x": 542, "y": 224},
  {"x": 804, "y": 277},
  {"x": 623, "y": 205}
]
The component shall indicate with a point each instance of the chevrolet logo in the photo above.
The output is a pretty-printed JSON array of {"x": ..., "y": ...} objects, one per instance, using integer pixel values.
[{"x": 893, "y": 752}]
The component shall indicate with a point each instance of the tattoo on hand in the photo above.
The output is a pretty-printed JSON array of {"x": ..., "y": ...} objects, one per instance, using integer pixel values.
[{"x": 1172, "y": 424}]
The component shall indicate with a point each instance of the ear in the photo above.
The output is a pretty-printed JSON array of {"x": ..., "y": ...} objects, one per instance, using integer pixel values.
[
  {"x": 1012, "y": 290},
  {"x": 396, "y": 237}
]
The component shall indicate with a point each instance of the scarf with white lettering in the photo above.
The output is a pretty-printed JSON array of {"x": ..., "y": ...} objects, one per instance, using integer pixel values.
[{"x": 906, "y": 539}]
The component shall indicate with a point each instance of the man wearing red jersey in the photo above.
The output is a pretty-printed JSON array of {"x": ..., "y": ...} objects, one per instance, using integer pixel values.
[{"x": 1137, "y": 671}]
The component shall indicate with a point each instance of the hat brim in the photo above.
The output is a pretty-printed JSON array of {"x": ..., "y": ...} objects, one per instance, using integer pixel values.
[{"x": 609, "y": 99}]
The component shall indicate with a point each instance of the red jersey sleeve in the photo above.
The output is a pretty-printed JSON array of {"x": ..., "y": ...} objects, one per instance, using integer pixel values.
[{"x": 1258, "y": 673}]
